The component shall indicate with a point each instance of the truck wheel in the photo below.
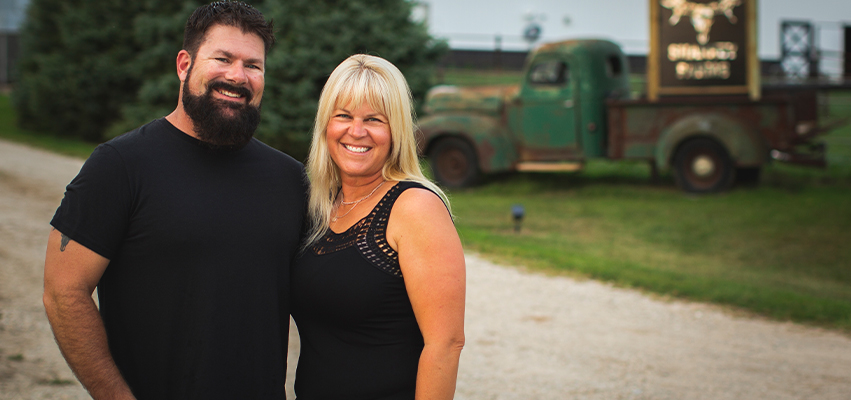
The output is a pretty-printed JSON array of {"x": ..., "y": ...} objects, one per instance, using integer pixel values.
[
  {"x": 703, "y": 166},
  {"x": 454, "y": 163}
]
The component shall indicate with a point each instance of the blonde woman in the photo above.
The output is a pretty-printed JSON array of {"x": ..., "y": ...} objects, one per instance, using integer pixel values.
[{"x": 378, "y": 292}]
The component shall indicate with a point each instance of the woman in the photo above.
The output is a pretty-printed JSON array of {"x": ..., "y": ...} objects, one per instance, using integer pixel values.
[{"x": 378, "y": 292}]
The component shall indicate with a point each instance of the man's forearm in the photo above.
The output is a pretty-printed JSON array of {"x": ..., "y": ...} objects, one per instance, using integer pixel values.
[{"x": 81, "y": 336}]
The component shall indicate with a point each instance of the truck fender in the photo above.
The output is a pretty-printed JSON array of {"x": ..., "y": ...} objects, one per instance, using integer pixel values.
[
  {"x": 746, "y": 147},
  {"x": 486, "y": 135}
]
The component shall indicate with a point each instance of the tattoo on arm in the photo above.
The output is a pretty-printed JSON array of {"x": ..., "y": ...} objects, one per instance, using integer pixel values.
[{"x": 65, "y": 240}]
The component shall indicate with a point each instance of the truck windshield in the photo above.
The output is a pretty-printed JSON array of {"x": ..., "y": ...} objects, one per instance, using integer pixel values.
[{"x": 552, "y": 72}]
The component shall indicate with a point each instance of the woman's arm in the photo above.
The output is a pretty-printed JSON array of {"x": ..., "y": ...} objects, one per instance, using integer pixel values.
[{"x": 432, "y": 262}]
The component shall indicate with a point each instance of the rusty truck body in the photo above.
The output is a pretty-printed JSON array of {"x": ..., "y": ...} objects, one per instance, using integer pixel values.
[{"x": 574, "y": 103}]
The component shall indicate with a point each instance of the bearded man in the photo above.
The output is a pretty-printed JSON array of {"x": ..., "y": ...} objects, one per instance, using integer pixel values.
[{"x": 186, "y": 226}]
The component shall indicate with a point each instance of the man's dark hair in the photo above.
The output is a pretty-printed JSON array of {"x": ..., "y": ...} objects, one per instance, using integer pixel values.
[{"x": 229, "y": 13}]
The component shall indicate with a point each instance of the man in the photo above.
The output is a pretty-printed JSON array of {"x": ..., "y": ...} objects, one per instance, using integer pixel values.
[{"x": 187, "y": 226}]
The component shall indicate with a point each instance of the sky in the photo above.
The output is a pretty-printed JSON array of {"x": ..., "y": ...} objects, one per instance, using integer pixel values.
[{"x": 11, "y": 14}]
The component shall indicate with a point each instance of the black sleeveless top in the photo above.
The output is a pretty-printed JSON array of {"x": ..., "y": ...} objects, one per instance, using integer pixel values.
[{"x": 359, "y": 336}]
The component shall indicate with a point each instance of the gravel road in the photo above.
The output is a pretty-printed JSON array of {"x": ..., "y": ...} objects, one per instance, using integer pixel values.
[{"x": 529, "y": 336}]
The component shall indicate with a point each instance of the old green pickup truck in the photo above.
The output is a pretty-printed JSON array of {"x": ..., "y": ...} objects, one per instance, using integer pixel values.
[{"x": 574, "y": 104}]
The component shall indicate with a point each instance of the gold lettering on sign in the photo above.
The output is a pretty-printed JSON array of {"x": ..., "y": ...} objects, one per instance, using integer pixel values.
[
  {"x": 703, "y": 70},
  {"x": 722, "y": 51},
  {"x": 696, "y": 62}
]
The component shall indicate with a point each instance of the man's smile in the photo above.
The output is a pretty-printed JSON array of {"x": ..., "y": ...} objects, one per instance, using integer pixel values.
[{"x": 229, "y": 94}]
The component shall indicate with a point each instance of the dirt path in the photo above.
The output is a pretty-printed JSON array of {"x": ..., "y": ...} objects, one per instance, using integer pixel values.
[
  {"x": 529, "y": 336},
  {"x": 31, "y": 186}
]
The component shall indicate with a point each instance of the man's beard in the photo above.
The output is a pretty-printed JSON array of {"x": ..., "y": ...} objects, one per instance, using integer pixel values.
[{"x": 213, "y": 123}]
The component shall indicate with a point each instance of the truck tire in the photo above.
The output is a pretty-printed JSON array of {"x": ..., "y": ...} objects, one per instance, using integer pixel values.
[
  {"x": 702, "y": 165},
  {"x": 453, "y": 163}
]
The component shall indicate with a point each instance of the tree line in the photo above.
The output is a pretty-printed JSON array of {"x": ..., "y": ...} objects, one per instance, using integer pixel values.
[{"x": 94, "y": 69}]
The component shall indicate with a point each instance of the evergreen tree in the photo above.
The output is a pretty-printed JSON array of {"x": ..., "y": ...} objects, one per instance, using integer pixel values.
[
  {"x": 158, "y": 33},
  {"x": 73, "y": 68},
  {"x": 98, "y": 68},
  {"x": 314, "y": 36}
]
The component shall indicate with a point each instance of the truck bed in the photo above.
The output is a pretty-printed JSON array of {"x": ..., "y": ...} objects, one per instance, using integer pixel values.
[{"x": 783, "y": 119}]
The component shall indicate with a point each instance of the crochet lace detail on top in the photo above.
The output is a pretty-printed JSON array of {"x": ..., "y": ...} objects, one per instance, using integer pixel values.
[{"x": 369, "y": 235}]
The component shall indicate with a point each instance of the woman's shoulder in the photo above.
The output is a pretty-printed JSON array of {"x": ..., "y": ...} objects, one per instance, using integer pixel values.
[
  {"x": 416, "y": 201},
  {"x": 405, "y": 185},
  {"x": 419, "y": 217}
]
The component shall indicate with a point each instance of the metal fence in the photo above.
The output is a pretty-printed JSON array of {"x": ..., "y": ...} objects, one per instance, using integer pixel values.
[{"x": 815, "y": 49}]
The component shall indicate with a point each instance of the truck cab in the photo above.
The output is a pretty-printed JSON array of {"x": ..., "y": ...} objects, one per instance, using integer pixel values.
[
  {"x": 553, "y": 120},
  {"x": 559, "y": 114}
]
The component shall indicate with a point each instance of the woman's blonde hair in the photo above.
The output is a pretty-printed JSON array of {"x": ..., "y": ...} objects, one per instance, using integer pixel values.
[{"x": 362, "y": 79}]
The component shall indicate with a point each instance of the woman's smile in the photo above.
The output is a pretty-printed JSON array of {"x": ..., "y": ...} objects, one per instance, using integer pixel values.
[{"x": 356, "y": 149}]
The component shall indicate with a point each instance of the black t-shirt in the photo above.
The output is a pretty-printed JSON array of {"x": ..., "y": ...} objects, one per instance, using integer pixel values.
[
  {"x": 359, "y": 336},
  {"x": 195, "y": 298}
]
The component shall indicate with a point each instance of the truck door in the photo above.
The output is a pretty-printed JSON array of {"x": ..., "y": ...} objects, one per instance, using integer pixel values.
[{"x": 548, "y": 112}]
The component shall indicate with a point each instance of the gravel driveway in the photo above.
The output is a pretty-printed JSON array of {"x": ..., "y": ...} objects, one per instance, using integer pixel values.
[{"x": 529, "y": 336}]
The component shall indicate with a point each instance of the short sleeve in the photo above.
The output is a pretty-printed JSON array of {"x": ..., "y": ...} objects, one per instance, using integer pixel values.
[{"x": 97, "y": 204}]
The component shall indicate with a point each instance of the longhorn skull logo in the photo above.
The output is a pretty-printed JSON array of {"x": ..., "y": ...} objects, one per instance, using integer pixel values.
[{"x": 702, "y": 14}]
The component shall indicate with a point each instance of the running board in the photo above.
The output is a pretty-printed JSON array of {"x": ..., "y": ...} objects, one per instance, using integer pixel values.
[{"x": 550, "y": 166}]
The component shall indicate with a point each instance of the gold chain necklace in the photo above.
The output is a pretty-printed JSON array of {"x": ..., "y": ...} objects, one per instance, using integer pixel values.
[{"x": 353, "y": 203}]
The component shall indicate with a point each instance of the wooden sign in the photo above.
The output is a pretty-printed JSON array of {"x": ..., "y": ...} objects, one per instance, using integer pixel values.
[{"x": 702, "y": 47}]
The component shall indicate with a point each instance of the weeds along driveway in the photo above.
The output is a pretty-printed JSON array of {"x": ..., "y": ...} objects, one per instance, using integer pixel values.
[{"x": 529, "y": 336}]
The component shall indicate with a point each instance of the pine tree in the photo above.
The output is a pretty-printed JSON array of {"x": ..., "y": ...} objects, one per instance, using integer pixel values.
[
  {"x": 315, "y": 36},
  {"x": 73, "y": 74},
  {"x": 97, "y": 68}
]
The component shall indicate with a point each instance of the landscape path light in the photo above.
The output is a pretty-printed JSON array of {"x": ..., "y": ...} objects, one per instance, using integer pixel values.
[{"x": 517, "y": 213}]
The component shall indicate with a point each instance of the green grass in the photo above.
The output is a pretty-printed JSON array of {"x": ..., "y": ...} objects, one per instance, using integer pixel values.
[
  {"x": 780, "y": 250},
  {"x": 56, "y": 382},
  {"x": 9, "y": 130},
  {"x": 779, "y": 253},
  {"x": 471, "y": 77}
]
